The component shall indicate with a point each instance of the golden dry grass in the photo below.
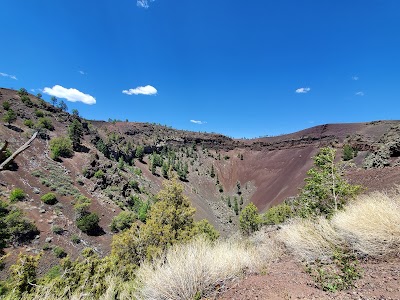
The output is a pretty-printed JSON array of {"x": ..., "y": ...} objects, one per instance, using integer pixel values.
[
  {"x": 371, "y": 225},
  {"x": 310, "y": 240},
  {"x": 197, "y": 267}
]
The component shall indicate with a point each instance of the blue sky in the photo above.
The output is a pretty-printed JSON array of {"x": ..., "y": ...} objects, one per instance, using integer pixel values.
[{"x": 241, "y": 68}]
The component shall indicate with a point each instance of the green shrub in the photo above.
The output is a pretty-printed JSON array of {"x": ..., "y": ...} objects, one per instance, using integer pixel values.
[
  {"x": 122, "y": 221},
  {"x": 137, "y": 171},
  {"x": 49, "y": 198},
  {"x": 88, "y": 223},
  {"x": 134, "y": 185},
  {"x": 47, "y": 247},
  {"x": 26, "y": 100},
  {"x": 57, "y": 229},
  {"x": 59, "y": 252},
  {"x": 39, "y": 113},
  {"x": 45, "y": 123},
  {"x": 276, "y": 214},
  {"x": 75, "y": 239},
  {"x": 204, "y": 228},
  {"x": 99, "y": 174},
  {"x": 17, "y": 195},
  {"x": 19, "y": 228},
  {"x": 348, "y": 152},
  {"x": 10, "y": 116},
  {"x": 61, "y": 147},
  {"x": 29, "y": 123},
  {"x": 6, "y": 105},
  {"x": 53, "y": 273}
]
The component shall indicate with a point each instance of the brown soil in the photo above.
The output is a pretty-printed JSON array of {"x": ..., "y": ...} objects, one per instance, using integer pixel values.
[{"x": 287, "y": 279}]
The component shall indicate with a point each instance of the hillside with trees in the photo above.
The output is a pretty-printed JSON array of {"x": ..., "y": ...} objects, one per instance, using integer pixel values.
[{"x": 108, "y": 210}]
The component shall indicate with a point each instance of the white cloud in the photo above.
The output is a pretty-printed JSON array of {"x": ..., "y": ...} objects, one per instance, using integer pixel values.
[
  {"x": 144, "y": 3},
  {"x": 355, "y": 78},
  {"x": 82, "y": 72},
  {"x": 303, "y": 90},
  {"x": 141, "y": 90},
  {"x": 360, "y": 94},
  {"x": 198, "y": 122},
  {"x": 72, "y": 95},
  {"x": 8, "y": 75}
]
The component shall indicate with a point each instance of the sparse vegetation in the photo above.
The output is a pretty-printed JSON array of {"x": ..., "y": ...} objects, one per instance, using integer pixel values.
[
  {"x": 348, "y": 152},
  {"x": 277, "y": 214},
  {"x": 249, "y": 219},
  {"x": 57, "y": 229},
  {"x": 6, "y": 105},
  {"x": 29, "y": 123},
  {"x": 10, "y": 117},
  {"x": 99, "y": 174},
  {"x": 15, "y": 227},
  {"x": 59, "y": 252},
  {"x": 326, "y": 190},
  {"x": 88, "y": 223},
  {"x": 61, "y": 147},
  {"x": 44, "y": 123},
  {"x": 49, "y": 198},
  {"x": 123, "y": 221},
  {"x": 75, "y": 133},
  {"x": 17, "y": 195}
]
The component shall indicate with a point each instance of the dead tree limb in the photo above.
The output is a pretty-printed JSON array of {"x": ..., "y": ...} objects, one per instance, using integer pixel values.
[{"x": 19, "y": 150}]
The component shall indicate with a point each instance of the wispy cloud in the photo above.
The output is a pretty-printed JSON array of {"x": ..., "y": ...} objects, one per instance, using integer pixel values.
[
  {"x": 303, "y": 90},
  {"x": 72, "y": 95},
  {"x": 144, "y": 3},
  {"x": 198, "y": 122},
  {"x": 360, "y": 94},
  {"x": 82, "y": 72},
  {"x": 8, "y": 75},
  {"x": 355, "y": 78},
  {"x": 141, "y": 90}
]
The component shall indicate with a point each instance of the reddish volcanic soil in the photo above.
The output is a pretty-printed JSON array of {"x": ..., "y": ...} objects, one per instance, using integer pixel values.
[{"x": 288, "y": 280}]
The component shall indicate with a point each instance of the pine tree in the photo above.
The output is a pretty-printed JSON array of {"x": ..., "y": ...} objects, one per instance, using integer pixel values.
[
  {"x": 212, "y": 172},
  {"x": 139, "y": 153},
  {"x": 75, "y": 133},
  {"x": 326, "y": 190},
  {"x": 238, "y": 187},
  {"x": 235, "y": 206},
  {"x": 249, "y": 219},
  {"x": 53, "y": 101}
]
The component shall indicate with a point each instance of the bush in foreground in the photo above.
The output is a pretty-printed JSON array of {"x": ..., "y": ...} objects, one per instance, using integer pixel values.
[
  {"x": 192, "y": 269},
  {"x": 371, "y": 225}
]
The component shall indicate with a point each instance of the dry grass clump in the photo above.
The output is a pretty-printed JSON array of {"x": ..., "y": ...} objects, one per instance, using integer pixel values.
[
  {"x": 190, "y": 270},
  {"x": 310, "y": 240},
  {"x": 267, "y": 246},
  {"x": 371, "y": 224}
]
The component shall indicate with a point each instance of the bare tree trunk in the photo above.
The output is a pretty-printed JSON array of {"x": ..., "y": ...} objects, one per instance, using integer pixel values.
[{"x": 19, "y": 150}]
